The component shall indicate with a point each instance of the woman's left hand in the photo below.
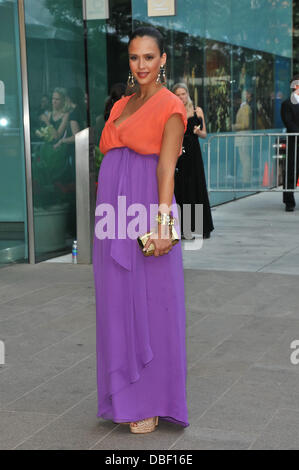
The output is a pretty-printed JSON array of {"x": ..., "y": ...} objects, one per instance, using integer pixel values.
[{"x": 196, "y": 129}]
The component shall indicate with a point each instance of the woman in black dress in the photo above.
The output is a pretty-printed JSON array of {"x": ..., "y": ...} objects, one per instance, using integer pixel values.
[
  {"x": 76, "y": 123},
  {"x": 57, "y": 118},
  {"x": 190, "y": 181}
]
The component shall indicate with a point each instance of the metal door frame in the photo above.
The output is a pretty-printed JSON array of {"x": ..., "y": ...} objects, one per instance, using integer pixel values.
[{"x": 27, "y": 140}]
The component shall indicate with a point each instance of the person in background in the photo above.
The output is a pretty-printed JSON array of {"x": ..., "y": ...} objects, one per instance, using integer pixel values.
[
  {"x": 37, "y": 120},
  {"x": 76, "y": 123},
  {"x": 243, "y": 124},
  {"x": 44, "y": 107},
  {"x": 58, "y": 118},
  {"x": 290, "y": 118},
  {"x": 118, "y": 91},
  {"x": 190, "y": 181},
  {"x": 77, "y": 116}
]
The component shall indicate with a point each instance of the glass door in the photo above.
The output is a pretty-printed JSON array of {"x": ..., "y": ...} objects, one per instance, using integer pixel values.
[
  {"x": 13, "y": 225},
  {"x": 57, "y": 104}
]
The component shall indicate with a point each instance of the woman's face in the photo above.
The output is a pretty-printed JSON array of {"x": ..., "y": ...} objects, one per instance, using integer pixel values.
[
  {"x": 145, "y": 59},
  {"x": 182, "y": 94},
  {"x": 56, "y": 101},
  {"x": 44, "y": 102}
]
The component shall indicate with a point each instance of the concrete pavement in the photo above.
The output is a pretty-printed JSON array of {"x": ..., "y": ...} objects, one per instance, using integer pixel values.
[{"x": 242, "y": 316}]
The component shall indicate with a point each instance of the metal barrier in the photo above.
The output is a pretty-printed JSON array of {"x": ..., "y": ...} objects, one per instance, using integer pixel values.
[
  {"x": 253, "y": 162},
  {"x": 85, "y": 193}
]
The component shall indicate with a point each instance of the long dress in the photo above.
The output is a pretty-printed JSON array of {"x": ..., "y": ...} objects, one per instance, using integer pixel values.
[
  {"x": 140, "y": 301},
  {"x": 190, "y": 181}
]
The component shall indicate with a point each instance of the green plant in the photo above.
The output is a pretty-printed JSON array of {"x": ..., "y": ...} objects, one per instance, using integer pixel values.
[
  {"x": 50, "y": 170},
  {"x": 98, "y": 160},
  {"x": 46, "y": 133}
]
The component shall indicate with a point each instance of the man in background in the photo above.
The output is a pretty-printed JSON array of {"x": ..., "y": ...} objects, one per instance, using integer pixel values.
[
  {"x": 290, "y": 118},
  {"x": 243, "y": 144}
]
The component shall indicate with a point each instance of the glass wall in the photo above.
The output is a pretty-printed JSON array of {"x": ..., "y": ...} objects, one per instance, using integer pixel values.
[
  {"x": 13, "y": 227},
  {"x": 265, "y": 25},
  {"x": 107, "y": 57},
  {"x": 230, "y": 54},
  {"x": 58, "y": 110}
]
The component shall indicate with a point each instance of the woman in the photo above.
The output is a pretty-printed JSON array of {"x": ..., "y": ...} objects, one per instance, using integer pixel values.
[
  {"x": 141, "y": 354},
  {"x": 76, "y": 117},
  {"x": 44, "y": 107},
  {"x": 58, "y": 118},
  {"x": 76, "y": 122},
  {"x": 190, "y": 182}
]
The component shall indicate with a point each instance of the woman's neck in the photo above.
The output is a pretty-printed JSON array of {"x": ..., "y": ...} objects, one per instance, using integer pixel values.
[{"x": 146, "y": 91}]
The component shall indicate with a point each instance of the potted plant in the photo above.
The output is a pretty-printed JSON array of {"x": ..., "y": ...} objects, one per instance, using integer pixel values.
[
  {"x": 98, "y": 160},
  {"x": 50, "y": 171}
]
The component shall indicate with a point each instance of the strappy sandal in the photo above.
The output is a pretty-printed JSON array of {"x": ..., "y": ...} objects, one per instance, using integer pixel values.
[{"x": 144, "y": 425}]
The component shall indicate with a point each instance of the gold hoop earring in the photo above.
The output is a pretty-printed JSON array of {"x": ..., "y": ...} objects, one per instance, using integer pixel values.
[
  {"x": 161, "y": 75},
  {"x": 131, "y": 81}
]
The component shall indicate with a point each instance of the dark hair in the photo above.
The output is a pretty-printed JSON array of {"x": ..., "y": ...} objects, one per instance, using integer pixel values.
[
  {"x": 116, "y": 92},
  {"x": 149, "y": 31},
  {"x": 76, "y": 95},
  {"x": 237, "y": 95},
  {"x": 295, "y": 77}
]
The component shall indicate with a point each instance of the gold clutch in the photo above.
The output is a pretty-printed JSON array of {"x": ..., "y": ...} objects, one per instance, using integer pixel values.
[{"x": 150, "y": 251}]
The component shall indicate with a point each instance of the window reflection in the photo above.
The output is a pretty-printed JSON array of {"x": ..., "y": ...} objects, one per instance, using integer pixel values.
[
  {"x": 56, "y": 76},
  {"x": 264, "y": 90},
  {"x": 218, "y": 86},
  {"x": 13, "y": 225}
]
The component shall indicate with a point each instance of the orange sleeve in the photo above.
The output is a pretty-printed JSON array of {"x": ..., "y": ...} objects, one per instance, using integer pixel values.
[{"x": 175, "y": 106}]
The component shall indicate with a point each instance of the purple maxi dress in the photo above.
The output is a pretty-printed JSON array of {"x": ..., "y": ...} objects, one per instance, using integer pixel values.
[{"x": 140, "y": 301}]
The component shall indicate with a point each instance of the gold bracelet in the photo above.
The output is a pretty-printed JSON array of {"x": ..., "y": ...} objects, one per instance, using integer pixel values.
[{"x": 165, "y": 219}]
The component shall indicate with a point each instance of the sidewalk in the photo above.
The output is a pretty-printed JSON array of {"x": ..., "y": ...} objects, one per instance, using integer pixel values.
[{"x": 242, "y": 315}]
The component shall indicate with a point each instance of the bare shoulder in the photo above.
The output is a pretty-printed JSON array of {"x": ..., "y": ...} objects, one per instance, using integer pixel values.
[
  {"x": 174, "y": 126},
  {"x": 199, "y": 111}
]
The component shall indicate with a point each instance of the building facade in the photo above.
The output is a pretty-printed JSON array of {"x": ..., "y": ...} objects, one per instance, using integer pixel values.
[{"x": 58, "y": 55}]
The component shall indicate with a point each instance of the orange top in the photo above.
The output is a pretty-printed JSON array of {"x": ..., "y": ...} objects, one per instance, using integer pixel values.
[{"x": 143, "y": 130}]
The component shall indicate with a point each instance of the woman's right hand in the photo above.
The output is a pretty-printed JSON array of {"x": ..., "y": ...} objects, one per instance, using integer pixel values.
[{"x": 161, "y": 240}]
